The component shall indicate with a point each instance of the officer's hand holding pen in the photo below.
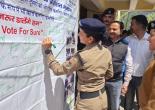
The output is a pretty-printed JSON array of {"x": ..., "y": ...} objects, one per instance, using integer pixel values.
[{"x": 47, "y": 43}]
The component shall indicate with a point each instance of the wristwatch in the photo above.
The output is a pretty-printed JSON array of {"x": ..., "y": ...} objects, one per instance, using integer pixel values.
[{"x": 48, "y": 51}]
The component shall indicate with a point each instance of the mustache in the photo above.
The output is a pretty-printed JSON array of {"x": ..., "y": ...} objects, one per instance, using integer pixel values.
[
  {"x": 112, "y": 33},
  {"x": 106, "y": 21}
]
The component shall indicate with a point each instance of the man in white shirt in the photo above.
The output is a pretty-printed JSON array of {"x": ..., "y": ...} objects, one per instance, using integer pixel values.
[{"x": 141, "y": 56}]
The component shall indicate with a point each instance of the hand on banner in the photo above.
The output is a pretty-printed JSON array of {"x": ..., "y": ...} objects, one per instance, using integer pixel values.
[{"x": 47, "y": 43}]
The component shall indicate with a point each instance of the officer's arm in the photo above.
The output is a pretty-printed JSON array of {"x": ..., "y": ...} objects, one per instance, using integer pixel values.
[
  {"x": 66, "y": 68},
  {"x": 151, "y": 102},
  {"x": 109, "y": 72}
]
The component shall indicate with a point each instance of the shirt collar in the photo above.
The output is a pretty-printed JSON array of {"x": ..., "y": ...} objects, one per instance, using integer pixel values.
[
  {"x": 145, "y": 37},
  {"x": 91, "y": 45}
]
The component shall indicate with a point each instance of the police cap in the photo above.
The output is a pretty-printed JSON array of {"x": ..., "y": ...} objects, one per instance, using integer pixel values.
[
  {"x": 151, "y": 25},
  {"x": 92, "y": 25},
  {"x": 109, "y": 11}
]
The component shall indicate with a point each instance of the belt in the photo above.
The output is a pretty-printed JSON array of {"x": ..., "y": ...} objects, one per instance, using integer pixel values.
[
  {"x": 115, "y": 79},
  {"x": 88, "y": 95}
]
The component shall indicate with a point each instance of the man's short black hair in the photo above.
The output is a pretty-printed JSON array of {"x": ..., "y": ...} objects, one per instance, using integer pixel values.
[
  {"x": 120, "y": 23},
  {"x": 141, "y": 19}
]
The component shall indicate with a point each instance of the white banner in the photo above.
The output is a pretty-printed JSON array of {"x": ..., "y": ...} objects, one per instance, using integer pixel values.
[{"x": 25, "y": 80}]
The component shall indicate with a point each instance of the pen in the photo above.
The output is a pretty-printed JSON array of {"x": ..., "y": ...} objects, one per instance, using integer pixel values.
[{"x": 54, "y": 45}]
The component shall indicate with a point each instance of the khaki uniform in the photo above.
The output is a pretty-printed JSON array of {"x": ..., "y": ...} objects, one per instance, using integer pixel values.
[
  {"x": 93, "y": 65},
  {"x": 147, "y": 89}
]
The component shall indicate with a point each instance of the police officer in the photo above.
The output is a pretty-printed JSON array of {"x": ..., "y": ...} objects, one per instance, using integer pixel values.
[
  {"x": 93, "y": 65},
  {"x": 107, "y": 17},
  {"x": 147, "y": 87}
]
